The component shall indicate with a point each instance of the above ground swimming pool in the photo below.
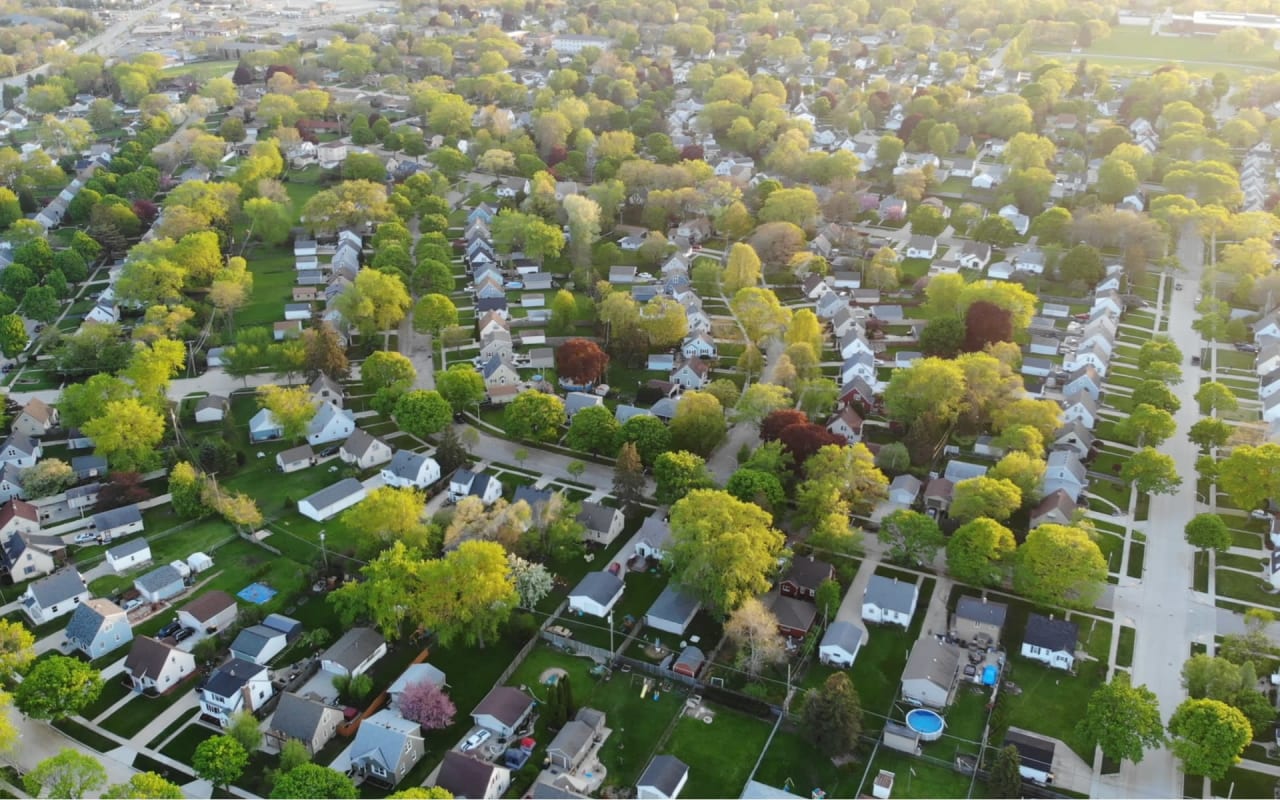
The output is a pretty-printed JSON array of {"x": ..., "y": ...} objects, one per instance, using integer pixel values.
[{"x": 926, "y": 723}]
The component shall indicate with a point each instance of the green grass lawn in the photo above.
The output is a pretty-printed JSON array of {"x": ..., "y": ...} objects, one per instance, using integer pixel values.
[
  {"x": 1138, "y": 42},
  {"x": 1124, "y": 650},
  {"x": 184, "y": 744},
  {"x": 1051, "y": 699},
  {"x": 85, "y": 735},
  {"x": 1243, "y": 783},
  {"x": 274, "y": 277},
  {"x": 136, "y": 714},
  {"x": 113, "y": 691},
  {"x": 791, "y": 758},
  {"x": 719, "y": 754},
  {"x": 1230, "y": 583},
  {"x": 917, "y": 778},
  {"x": 202, "y": 70}
]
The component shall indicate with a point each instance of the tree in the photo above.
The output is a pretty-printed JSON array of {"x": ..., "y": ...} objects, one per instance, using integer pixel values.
[
  {"x": 766, "y": 405},
  {"x": 420, "y": 793},
  {"x": 1082, "y": 263},
  {"x": 461, "y": 386},
  {"x": 389, "y": 514},
  {"x": 1151, "y": 472},
  {"x": 324, "y": 353},
  {"x": 843, "y": 472},
  {"x": 1146, "y": 425},
  {"x": 742, "y": 269},
  {"x": 533, "y": 581},
  {"x": 1158, "y": 348},
  {"x": 995, "y": 230},
  {"x": 145, "y": 786},
  {"x": 186, "y": 487},
  {"x": 313, "y": 780},
  {"x": 757, "y": 486},
  {"x": 291, "y": 407},
  {"x": 426, "y": 704},
  {"x": 13, "y": 335},
  {"x": 126, "y": 434},
  {"x": 678, "y": 473},
  {"x": 985, "y": 496},
  {"x": 243, "y": 727},
  {"x": 832, "y": 716},
  {"x": 594, "y": 430},
  {"x": 927, "y": 221},
  {"x": 1022, "y": 470},
  {"x": 650, "y": 437},
  {"x": 581, "y": 361},
  {"x": 753, "y": 630},
  {"x": 1216, "y": 397},
  {"x": 433, "y": 313},
  {"x": 1208, "y": 736},
  {"x": 219, "y": 760},
  {"x": 1250, "y": 474},
  {"x": 1060, "y": 565},
  {"x": 1005, "y": 779},
  {"x": 48, "y": 477},
  {"x": 386, "y": 368},
  {"x": 375, "y": 301},
  {"x": 722, "y": 550},
  {"x": 1124, "y": 720},
  {"x": 1208, "y": 532},
  {"x": 911, "y": 537},
  {"x": 68, "y": 774},
  {"x": 943, "y": 336},
  {"x": 980, "y": 552},
  {"x": 628, "y": 477},
  {"x": 534, "y": 416},
  {"x": 1155, "y": 393},
  {"x": 760, "y": 313},
  {"x": 699, "y": 423},
  {"x": 41, "y": 304},
  {"x": 57, "y": 687}
]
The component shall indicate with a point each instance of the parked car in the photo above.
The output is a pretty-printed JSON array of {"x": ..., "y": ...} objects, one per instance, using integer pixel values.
[
  {"x": 169, "y": 630},
  {"x": 130, "y": 605},
  {"x": 183, "y": 634},
  {"x": 1177, "y": 287},
  {"x": 476, "y": 739},
  {"x": 1195, "y": 361},
  {"x": 86, "y": 537},
  {"x": 1245, "y": 347},
  {"x": 329, "y": 451}
]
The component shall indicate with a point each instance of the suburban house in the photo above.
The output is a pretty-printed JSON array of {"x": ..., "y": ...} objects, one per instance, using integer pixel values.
[
  {"x": 497, "y": 371},
  {"x": 97, "y": 627},
  {"x": 117, "y": 522},
  {"x": 305, "y": 720},
  {"x": 465, "y": 483},
  {"x": 354, "y": 653},
  {"x": 36, "y": 419},
  {"x": 699, "y": 345},
  {"x": 804, "y": 577},
  {"x": 1080, "y": 408},
  {"x": 596, "y": 593},
  {"x": 259, "y": 644},
  {"x": 663, "y": 779},
  {"x": 211, "y": 612},
  {"x": 576, "y": 401},
  {"x": 1057, "y": 507},
  {"x": 653, "y": 536},
  {"x": 81, "y": 497},
  {"x": 332, "y": 500},
  {"x": 978, "y": 620},
  {"x": 576, "y": 739},
  {"x": 411, "y": 470},
  {"x": 156, "y": 666},
  {"x": 937, "y": 494},
  {"x": 905, "y": 489},
  {"x": 386, "y": 747},
  {"x": 889, "y": 601},
  {"x": 85, "y": 467},
  {"x": 295, "y": 458},
  {"x": 1064, "y": 472},
  {"x": 17, "y": 517},
  {"x": 503, "y": 710},
  {"x": 326, "y": 390},
  {"x": 364, "y": 450},
  {"x": 237, "y": 685},
  {"x": 160, "y": 584},
  {"x": 672, "y": 611},
  {"x": 847, "y": 424},
  {"x": 53, "y": 596},
  {"x": 922, "y": 247},
  {"x": 929, "y": 678},
  {"x": 1051, "y": 640},
  {"x": 20, "y": 450},
  {"x": 30, "y": 555},
  {"x": 11, "y": 483},
  {"x": 414, "y": 674},
  {"x": 128, "y": 555},
  {"x": 463, "y": 775},
  {"x": 330, "y": 424},
  {"x": 212, "y": 408},
  {"x": 840, "y": 644},
  {"x": 1035, "y": 756},
  {"x": 1087, "y": 380},
  {"x": 263, "y": 426},
  {"x": 602, "y": 523},
  {"x": 1074, "y": 437},
  {"x": 692, "y": 374},
  {"x": 795, "y": 617}
]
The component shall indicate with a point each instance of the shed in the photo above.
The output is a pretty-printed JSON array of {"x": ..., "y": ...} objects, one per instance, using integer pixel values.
[
  {"x": 689, "y": 662},
  {"x": 672, "y": 611},
  {"x": 160, "y": 584},
  {"x": 332, "y": 500},
  {"x": 130, "y": 554},
  {"x": 840, "y": 644}
]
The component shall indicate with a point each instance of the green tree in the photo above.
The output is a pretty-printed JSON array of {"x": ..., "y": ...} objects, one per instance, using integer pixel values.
[
  {"x": 943, "y": 336},
  {"x": 57, "y": 687},
  {"x": 1123, "y": 719},
  {"x": 759, "y": 400},
  {"x": 313, "y": 780},
  {"x": 1146, "y": 425},
  {"x": 980, "y": 552},
  {"x": 423, "y": 412},
  {"x": 220, "y": 760},
  {"x": 757, "y": 486},
  {"x": 291, "y": 407},
  {"x": 679, "y": 472},
  {"x": 1082, "y": 263},
  {"x": 461, "y": 386},
  {"x": 650, "y": 437},
  {"x": 145, "y": 786},
  {"x": 68, "y": 774},
  {"x": 126, "y": 434},
  {"x": 41, "y": 304},
  {"x": 185, "y": 488},
  {"x": 699, "y": 423},
  {"x": 1208, "y": 736},
  {"x": 628, "y": 477},
  {"x": 534, "y": 416},
  {"x": 1212, "y": 395},
  {"x": 985, "y": 496},
  {"x": 1005, "y": 779},
  {"x": 243, "y": 727},
  {"x": 375, "y": 301},
  {"x": 1158, "y": 348},
  {"x": 1155, "y": 393},
  {"x": 742, "y": 269},
  {"x": 13, "y": 335},
  {"x": 1060, "y": 565},
  {"x": 911, "y": 537},
  {"x": 433, "y": 313},
  {"x": 1208, "y": 532},
  {"x": 386, "y": 368},
  {"x": 760, "y": 312},
  {"x": 1151, "y": 472},
  {"x": 1250, "y": 475},
  {"x": 594, "y": 430},
  {"x": 832, "y": 716}
]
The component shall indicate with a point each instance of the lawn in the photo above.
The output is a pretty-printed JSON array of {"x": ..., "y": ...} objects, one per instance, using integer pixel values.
[
  {"x": 1124, "y": 650},
  {"x": 1244, "y": 587},
  {"x": 274, "y": 276},
  {"x": 791, "y": 759},
  {"x": 1051, "y": 700},
  {"x": 1243, "y": 783},
  {"x": 201, "y": 71},
  {"x": 915, "y": 777},
  {"x": 136, "y": 714},
  {"x": 1139, "y": 43},
  {"x": 113, "y": 691},
  {"x": 181, "y": 747},
  {"x": 720, "y": 754}
]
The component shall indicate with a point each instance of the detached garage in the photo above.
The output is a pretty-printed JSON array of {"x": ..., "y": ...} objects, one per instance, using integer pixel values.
[{"x": 333, "y": 500}]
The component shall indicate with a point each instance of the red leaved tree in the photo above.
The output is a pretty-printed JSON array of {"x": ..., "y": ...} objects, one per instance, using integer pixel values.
[
  {"x": 805, "y": 439},
  {"x": 428, "y": 705},
  {"x": 986, "y": 323},
  {"x": 581, "y": 361},
  {"x": 772, "y": 426}
]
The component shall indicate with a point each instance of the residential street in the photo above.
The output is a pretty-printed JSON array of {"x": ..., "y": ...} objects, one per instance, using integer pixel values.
[{"x": 724, "y": 461}]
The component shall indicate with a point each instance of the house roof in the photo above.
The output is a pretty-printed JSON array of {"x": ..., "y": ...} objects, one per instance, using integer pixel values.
[
  {"x": 407, "y": 464},
  {"x": 1054, "y": 635},
  {"x": 842, "y": 634},
  {"x": 299, "y": 453},
  {"x": 20, "y": 442},
  {"x": 890, "y": 593},
  {"x": 147, "y": 657},
  {"x": 334, "y": 493},
  {"x": 506, "y": 704},
  {"x": 906, "y": 483},
  {"x": 654, "y": 531},
  {"x": 957, "y": 471},
  {"x": 38, "y": 410},
  {"x": 1057, "y": 499},
  {"x": 572, "y": 740},
  {"x": 214, "y": 401},
  {"x": 1034, "y": 752},
  {"x": 354, "y": 647},
  {"x": 1077, "y": 431},
  {"x": 600, "y": 586},
  {"x": 83, "y": 464},
  {"x": 88, "y": 490},
  {"x": 252, "y": 640},
  {"x": 793, "y": 613},
  {"x": 279, "y": 622},
  {"x": 326, "y": 414},
  {"x": 159, "y": 578},
  {"x": 939, "y": 487},
  {"x": 117, "y": 518},
  {"x": 300, "y": 717},
  {"x": 576, "y": 401},
  {"x": 359, "y": 442},
  {"x": 128, "y": 548},
  {"x": 932, "y": 661},
  {"x": 664, "y": 773},
  {"x": 209, "y": 605},
  {"x": 16, "y": 508},
  {"x": 465, "y": 776},
  {"x": 1068, "y": 461},
  {"x": 89, "y": 617},
  {"x": 417, "y": 673},
  {"x": 226, "y": 680},
  {"x": 495, "y": 362},
  {"x": 531, "y": 495},
  {"x": 979, "y": 609},
  {"x": 597, "y": 517},
  {"x": 673, "y": 605},
  {"x": 808, "y": 572}
]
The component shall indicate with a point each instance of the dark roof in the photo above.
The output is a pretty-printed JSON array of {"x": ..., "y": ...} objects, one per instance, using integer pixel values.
[
  {"x": 794, "y": 614},
  {"x": 286, "y": 625},
  {"x": 1035, "y": 753},
  {"x": 1058, "y": 499},
  {"x": 253, "y": 639},
  {"x": 597, "y": 517},
  {"x": 354, "y": 647},
  {"x": 55, "y": 588},
  {"x": 128, "y": 548},
  {"x": 979, "y": 609},
  {"x": 117, "y": 517},
  {"x": 664, "y": 773},
  {"x": 406, "y": 464},
  {"x": 299, "y": 453},
  {"x": 88, "y": 618},
  {"x": 211, "y": 401},
  {"x": 147, "y": 657},
  {"x": 18, "y": 508},
  {"x": 1054, "y": 635},
  {"x": 673, "y": 605},
  {"x": 227, "y": 679},
  {"x": 333, "y": 494},
  {"x": 504, "y": 703},
  {"x": 463, "y": 775},
  {"x": 808, "y": 572},
  {"x": 531, "y": 495},
  {"x": 600, "y": 586},
  {"x": 299, "y": 717},
  {"x": 209, "y": 605},
  {"x": 359, "y": 442}
]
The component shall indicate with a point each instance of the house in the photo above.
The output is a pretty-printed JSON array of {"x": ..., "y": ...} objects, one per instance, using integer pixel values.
[
  {"x": 1037, "y": 367},
  {"x": 922, "y": 247},
  {"x": 237, "y": 685},
  {"x": 331, "y": 424},
  {"x": 30, "y": 555},
  {"x": 11, "y": 483},
  {"x": 17, "y": 517},
  {"x": 804, "y": 577},
  {"x": 1074, "y": 437},
  {"x": 536, "y": 498},
  {"x": 86, "y": 467},
  {"x": 672, "y": 611},
  {"x": 211, "y": 612},
  {"x": 1064, "y": 472},
  {"x": 840, "y": 644},
  {"x": 814, "y": 287},
  {"x": 286, "y": 329},
  {"x": 98, "y": 627},
  {"x": 937, "y": 495},
  {"x": 305, "y": 720},
  {"x": 1110, "y": 302},
  {"x": 1085, "y": 379},
  {"x": 1035, "y": 755},
  {"x": 653, "y": 536},
  {"x": 118, "y": 522},
  {"x": 1021, "y": 222},
  {"x": 212, "y": 408},
  {"x": 693, "y": 374},
  {"x": 929, "y": 678},
  {"x": 576, "y": 739},
  {"x": 831, "y": 304},
  {"x": 663, "y": 779},
  {"x": 81, "y": 497},
  {"x": 596, "y": 594},
  {"x": 1057, "y": 507},
  {"x": 326, "y": 390},
  {"x": 889, "y": 601},
  {"x": 332, "y": 500},
  {"x": 795, "y": 617},
  {"x": 53, "y": 596},
  {"x": 905, "y": 489},
  {"x": 853, "y": 342},
  {"x": 160, "y": 584},
  {"x": 36, "y": 419},
  {"x": 353, "y": 654},
  {"x": 858, "y": 366},
  {"x": 975, "y": 255},
  {"x": 847, "y": 424},
  {"x": 602, "y": 523},
  {"x": 409, "y": 469},
  {"x": 21, "y": 451},
  {"x": 1050, "y": 640},
  {"x": 462, "y": 775},
  {"x": 497, "y": 371},
  {"x": 503, "y": 710},
  {"x": 263, "y": 426},
  {"x": 619, "y": 274},
  {"x": 414, "y": 674},
  {"x": 699, "y": 345},
  {"x": 978, "y": 620},
  {"x": 465, "y": 483},
  {"x": 1080, "y": 408},
  {"x": 689, "y": 662},
  {"x": 156, "y": 666},
  {"x": 576, "y": 401},
  {"x": 364, "y": 450},
  {"x": 295, "y": 458},
  {"x": 126, "y": 556}
]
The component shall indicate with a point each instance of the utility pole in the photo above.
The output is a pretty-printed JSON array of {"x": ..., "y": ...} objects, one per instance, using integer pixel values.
[{"x": 323, "y": 552}]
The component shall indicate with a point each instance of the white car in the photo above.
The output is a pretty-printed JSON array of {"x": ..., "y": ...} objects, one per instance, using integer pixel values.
[
  {"x": 86, "y": 538},
  {"x": 476, "y": 739},
  {"x": 1260, "y": 514}
]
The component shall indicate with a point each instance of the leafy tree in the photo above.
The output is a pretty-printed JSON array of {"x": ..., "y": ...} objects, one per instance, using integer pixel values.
[
  {"x": 427, "y": 704},
  {"x": 13, "y": 335},
  {"x": 650, "y": 437},
  {"x": 1060, "y": 565},
  {"x": 1250, "y": 475},
  {"x": 126, "y": 434},
  {"x": 724, "y": 391},
  {"x": 220, "y": 760},
  {"x": 985, "y": 496},
  {"x": 1005, "y": 779},
  {"x": 753, "y": 630},
  {"x": 757, "y": 486},
  {"x": 1082, "y": 263},
  {"x": 1208, "y": 736},
  {"x": 760, "y": 312},
  {"x": 291, "y": 407},
  {"x": 911, "y": 537},
  {"x": 17, "y": 651},
  {"x": 313, "y": 780},
  {"x": 243, "y": 727},
  {"x": 294, "y": 753},
  {"x": 41, "y": 303},
  {"x": 742, "y": 269},
  {"x": 722, "y": 549},
  {"x": 980, "y": 552},
  {"x": 48, "y": 477},
  {"x": 1123, "y": 719},
  {"x": 534, "y": 416},
  {"x": 145, "y": 786},
  {"x": 841, "y": 473},
  {"x": 995, "y": 230},
  {"x": 1216, "y": 397},
  {"x": 57, "y": 687},
  {"x": 375, "y": 301},
  {"x": 760, "y": 402},
  {"x": 389, "y": 514},
  {"x": 386, "y": 368},
  {"x": 581, "y": 361},
  {"x": 1151, "y": 472},
  {"x": 68, "y": 774},
  {"x": 832, "y": 716},
  {"x": 678, "y": 473},
  {"x": 943, "y": 336},
  {"x": 461, "y": 386},
  {"x": 1147, "y": 425},
  {"x": 1155, "y": 393},
  {"x": 1022, "y": 470},
  {"x": 533, "y": 581},
  {"x": 433, "y": 313},
  {"x": 1208, "y": 532},
  {"x": 699, "y": 423},
  {"x": 628, "y": 477},
  {"x": 893, "y": 457},
  {"x": 594, "y": 430}
]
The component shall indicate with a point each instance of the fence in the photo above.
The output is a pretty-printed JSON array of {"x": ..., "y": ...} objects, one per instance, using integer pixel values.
[{"x": 528, "y": 646}]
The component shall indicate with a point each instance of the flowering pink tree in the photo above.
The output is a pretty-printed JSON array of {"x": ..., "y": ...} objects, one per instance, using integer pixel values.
[{"x": 428, "y": 705}]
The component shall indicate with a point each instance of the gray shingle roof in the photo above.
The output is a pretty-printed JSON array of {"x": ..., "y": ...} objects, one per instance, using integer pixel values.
[
  {"x": 251, "y": 641},
  {"x": 504, "y": 703},
  {"x": 55, "y": 588},
  {"x": 842, "y": 634},
  {"x": 227, "y": 679},
  {"x": 158, "y": 578},
  {"x": 597, "y": 517},
  {"x": 673, "y": 605},
  {"x": 664, "y": 773},
  {"x": 300, "y": 453},
  {"x": 299, "y": 717},
  {"x": 332, "y": 494},
  {"x": 978, "y": 610},
  {"x": 354, "y": 647},
  {"x": 89, "y": 617},
  {"x": 890, "y": 593},
  {"x": 602, "y": 587},
  {"x": 116, "y": 518},
  {"x": 406, "y": 464},
  {"x": 531, "y": 495},
  {"x": 130, "y": 547},
  {"x": 147, "y": 657}
]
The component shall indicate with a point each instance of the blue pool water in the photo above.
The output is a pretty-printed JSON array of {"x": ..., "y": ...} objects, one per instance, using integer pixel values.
[
  {"x": 924, "y": 722},
  {"x": 989, "y": 675}
]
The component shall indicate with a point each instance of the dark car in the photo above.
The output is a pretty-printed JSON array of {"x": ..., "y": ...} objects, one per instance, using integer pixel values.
[
  {"x": 1245, "y": 347},
  {"x": 183, "y": 634},
  {"x": 329, "y": 451},
  {"x": 169, "y": 630}
]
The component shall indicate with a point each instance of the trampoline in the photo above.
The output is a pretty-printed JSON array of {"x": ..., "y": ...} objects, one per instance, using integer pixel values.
[{"x": 256, "y": 593}]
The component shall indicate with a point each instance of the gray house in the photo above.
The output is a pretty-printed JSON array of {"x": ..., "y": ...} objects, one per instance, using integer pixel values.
[
  {"x": 602, "y": 523},
  {"x": 573, "y": 743},
  {"x": 890, "y": 601},
  {"x": 98, "y": 627},
  {"x": 596, "y": 593},
  {"x": 117, "y": 522},
  {"x": 929, "y": 679},
  {"x": 978, "y": 620},
  {"x": 672, "y": 612},
  {"x": 160, "y": 584},
  {"x": 308, "y": 721}
]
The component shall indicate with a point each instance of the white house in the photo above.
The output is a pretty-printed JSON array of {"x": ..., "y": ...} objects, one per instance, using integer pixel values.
[
  {"x": 364, "y": 450},
  {"x": 840, "y": 644},
  {"x": 156, "y": 666},
  {"x": 929, "y": 678},
  {"x": 259, "y": 644},
  {"x": 693, "y": 374},
  {"x": 295, "y": 458},
  {"x": 465, "y": 483},
  {"x": 237, "y": 685},
  {"x": 502, "y": 710},
  {"x": 211, "y": 408},
  {"x": 653, "y": 537},
  {"x": 905, "y": 489},
  {"x": 332, "y": 500},
  {"x": 854, "y": 342},
  {"x": 889, "y": 601},
  {"x": 1064, "y": 471},
  {"x": 699, "y": 345},
  {"x": 21, "y": 451},
  {"x": 211, "y": 612},
  {"x": 409, "y": 469},
  {"x": 1051, "y": 640},
  {"x": 330, "y": 424},
  {"x": 848, "y": 424},
  {"x": 98, "y": 627},
  {"x": 117, "y": 522},
  {"x": 264, "y": 426},
  {"x": 128, "y": 555},
  {"x": 672, "y": 612},
  {"x": 386, "y": 747},
  {"x": 54, "y": 596},
  {"x": 464, "y": 775},
  {"x": 36, "y": 419},
  {"x": 355, "y": 653},
  {"x": 922, "y": 247},
  {"x": 859, "y": 365},
  {"x": 596, "y": 594},
  {"x": 160, "y": 584},
  {"x": 1080, "y": 408},
  {"x": 601, "y": 523}
]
